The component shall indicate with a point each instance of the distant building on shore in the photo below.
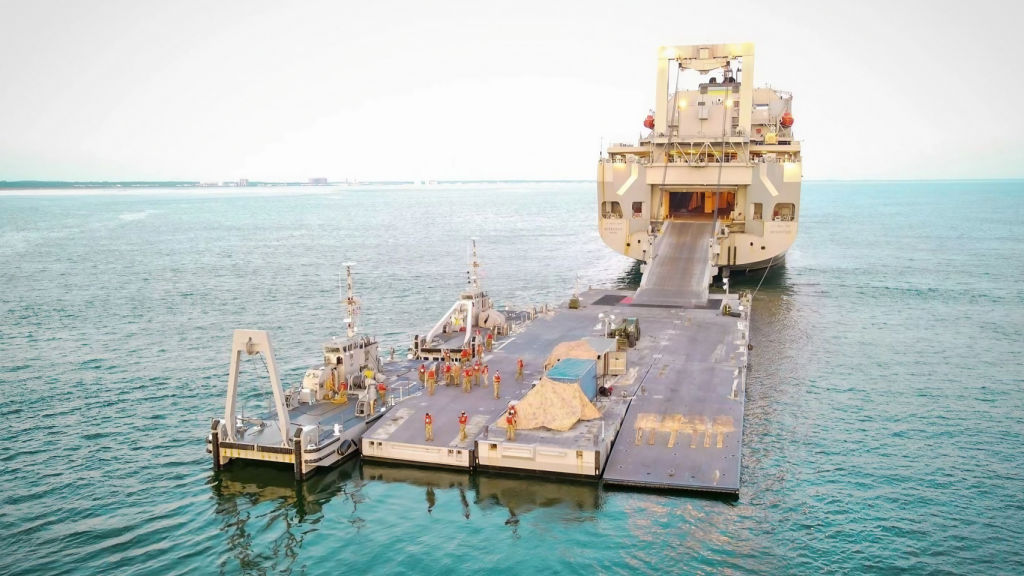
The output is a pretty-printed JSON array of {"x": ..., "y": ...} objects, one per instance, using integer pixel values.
[
  {"x": 243, "y": 181},
  {"x": 318, "y": 181}
]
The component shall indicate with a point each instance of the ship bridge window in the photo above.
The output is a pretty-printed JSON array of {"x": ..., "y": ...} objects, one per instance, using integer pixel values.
[
  {"x": 784, "y": 212},
  {"x": 638, "y": 209},
  {"x": 611, "y": 209}
]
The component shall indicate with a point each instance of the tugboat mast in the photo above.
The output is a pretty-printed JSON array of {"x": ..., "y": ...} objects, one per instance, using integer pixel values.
[
  {"x": 474, "y": 275},
  {"x": 350, "y": 302}
]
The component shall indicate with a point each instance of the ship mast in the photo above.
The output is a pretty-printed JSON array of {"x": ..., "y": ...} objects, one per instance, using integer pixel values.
[
  {"x": 350, "y": 302},
  {"x": 474, "y": 275}
]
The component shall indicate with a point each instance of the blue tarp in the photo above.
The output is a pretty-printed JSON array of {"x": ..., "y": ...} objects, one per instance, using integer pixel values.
[{"x": 576, "y": 371}]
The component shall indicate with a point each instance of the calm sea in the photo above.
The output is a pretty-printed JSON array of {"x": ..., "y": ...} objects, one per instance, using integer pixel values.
[{"x": 884, "y": 423}]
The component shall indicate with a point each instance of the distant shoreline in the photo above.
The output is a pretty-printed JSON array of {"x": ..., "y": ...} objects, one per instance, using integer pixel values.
[
  {"x": 62, "y": 185},
  {"x": 127, "y": 185}
]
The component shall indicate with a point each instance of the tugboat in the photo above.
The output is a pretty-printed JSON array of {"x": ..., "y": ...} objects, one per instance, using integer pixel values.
[
  {"x": 466, "y": 327},
  {"x": 319, "y": 422}
]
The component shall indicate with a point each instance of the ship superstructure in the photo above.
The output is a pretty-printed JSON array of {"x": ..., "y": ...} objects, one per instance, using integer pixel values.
[{"x": 719, "y": 150}]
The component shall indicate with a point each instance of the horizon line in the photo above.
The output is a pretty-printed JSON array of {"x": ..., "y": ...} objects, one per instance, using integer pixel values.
[{"x": 56, "y": 184}]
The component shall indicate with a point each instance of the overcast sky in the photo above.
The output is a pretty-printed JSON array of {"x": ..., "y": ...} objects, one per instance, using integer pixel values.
[{"x": 276, "y": 90}]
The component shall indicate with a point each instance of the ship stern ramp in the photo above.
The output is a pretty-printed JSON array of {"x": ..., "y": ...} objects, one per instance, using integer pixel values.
[{"x": 679, "y": 271}]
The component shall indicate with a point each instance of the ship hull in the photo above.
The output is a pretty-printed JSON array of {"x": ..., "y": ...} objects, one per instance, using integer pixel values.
[{"x": 759, "y": 265}]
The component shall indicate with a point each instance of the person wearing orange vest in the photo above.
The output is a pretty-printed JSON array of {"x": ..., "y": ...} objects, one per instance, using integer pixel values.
[
  {"x": 465, "y": 355},
  {"x": 510, "y": 426},
  {"x": 447, "y": 355},
  {"x": 431, "y": 381},
  {"x": 497, "y": 383},
  {"x": 428, "y": 421},
  {"x": 490, "y": 341},
  {"x": 483, "y": 372},
  {"x": 476, "y": 373},
  {"x": 382, "y": 389},
  {"x": 423, "y": 373},
  {"x": 467, "y": 378},
  {"x": 480, "y": 350},
  {"x": 463, "y": 419},
  {"x": 519, "y": 369},
  {"x": 449, "y": 378}
]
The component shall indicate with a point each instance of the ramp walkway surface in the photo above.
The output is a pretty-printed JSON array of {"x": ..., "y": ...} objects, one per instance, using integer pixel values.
[{"x": 679, "y": 272}]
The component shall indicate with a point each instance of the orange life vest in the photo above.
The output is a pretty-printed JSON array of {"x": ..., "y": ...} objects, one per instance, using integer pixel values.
[
  {"x": 463, "y": 419},
  {"x": 428, "y": 419}
]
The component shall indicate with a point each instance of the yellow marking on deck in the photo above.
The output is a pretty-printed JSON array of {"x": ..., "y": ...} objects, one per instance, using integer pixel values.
[
  {"x": 675, "y": 424},
  {"x": 723, "y": 424}
]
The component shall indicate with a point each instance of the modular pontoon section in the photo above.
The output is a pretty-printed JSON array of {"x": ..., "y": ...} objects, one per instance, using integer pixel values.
[{"x": 681, "y": 394}]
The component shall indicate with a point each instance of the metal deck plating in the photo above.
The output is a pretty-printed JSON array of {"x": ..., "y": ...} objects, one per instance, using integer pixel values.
[{"x": 674, "y": 419}]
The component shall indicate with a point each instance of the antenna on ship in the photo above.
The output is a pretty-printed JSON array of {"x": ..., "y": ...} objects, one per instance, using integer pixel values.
[
  {"x": 474, "y": 270},
  {"x": 350, "y": 301}
]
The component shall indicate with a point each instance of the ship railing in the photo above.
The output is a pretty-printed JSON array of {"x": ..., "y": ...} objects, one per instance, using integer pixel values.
[
  {"x": 704, "y": 153},
  {"x": 404, "y": 389}
]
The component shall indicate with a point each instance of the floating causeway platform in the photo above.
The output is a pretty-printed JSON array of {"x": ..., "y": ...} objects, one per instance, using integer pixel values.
[
  {"x": 674, "y": 419},
  {"x": 684, "y": 425}
]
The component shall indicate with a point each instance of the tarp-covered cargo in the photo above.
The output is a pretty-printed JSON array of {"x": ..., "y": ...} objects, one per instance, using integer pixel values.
[
  {"x": 575, "y": 349},
  {"x": 552, "y": 405}
]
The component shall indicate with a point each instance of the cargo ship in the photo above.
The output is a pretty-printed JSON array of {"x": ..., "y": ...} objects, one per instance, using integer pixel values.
[{"x": 716, "y": 148}]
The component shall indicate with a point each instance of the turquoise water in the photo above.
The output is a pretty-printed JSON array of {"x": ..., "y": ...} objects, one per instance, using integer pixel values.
[{"x": 884, "y": 427}]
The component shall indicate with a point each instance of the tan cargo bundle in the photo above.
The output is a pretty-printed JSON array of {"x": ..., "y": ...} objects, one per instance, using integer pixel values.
[
  {"x": 575, "y": 349},
  {"x": 552, "y": 405}
]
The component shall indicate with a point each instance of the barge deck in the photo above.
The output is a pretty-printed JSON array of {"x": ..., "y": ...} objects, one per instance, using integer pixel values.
[{"x": 673, "y": 420}]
